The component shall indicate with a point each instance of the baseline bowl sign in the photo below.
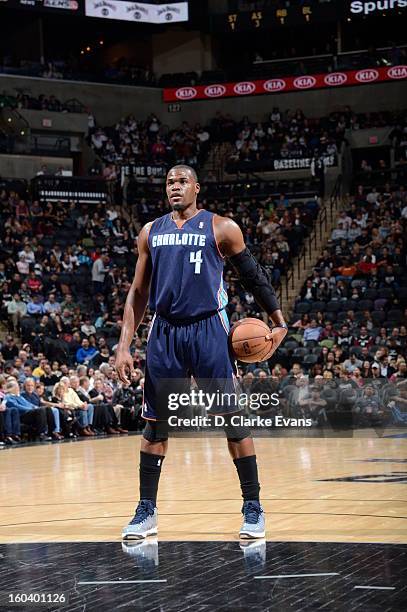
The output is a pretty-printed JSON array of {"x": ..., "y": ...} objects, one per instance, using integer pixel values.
[{"x": 304, "y": 83}]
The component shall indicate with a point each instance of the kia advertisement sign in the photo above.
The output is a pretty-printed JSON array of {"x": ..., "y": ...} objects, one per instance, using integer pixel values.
[
  {"x": 244, "y": 89},
  {"x": 304, "y": 82},
  {"x": 335, "y": 78},
  {"x": 186, "y": 93},
  {"x": 275, "y": 86},
  {"x": 214, "y": 91},
  {"x": 367, "y": 76},
  {"x": 397, "y": 72}
]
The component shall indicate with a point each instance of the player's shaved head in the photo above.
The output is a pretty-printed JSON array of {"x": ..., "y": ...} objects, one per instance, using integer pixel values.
[
  {"x": 187, "y": 168},
  {"x": 182, "y": 187}
]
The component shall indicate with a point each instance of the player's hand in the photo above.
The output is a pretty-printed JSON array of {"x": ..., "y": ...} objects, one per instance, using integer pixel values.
[
  {"x": 278, "y": 334},
  {"x": 124, "y": 366}
]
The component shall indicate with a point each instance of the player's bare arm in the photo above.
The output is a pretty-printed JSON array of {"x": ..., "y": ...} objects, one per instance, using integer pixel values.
[
  {"x": 135, "y": 306},
  {"x": 252, "y": 276}
]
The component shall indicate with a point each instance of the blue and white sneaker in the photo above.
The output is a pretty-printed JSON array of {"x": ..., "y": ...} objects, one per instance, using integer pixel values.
[
  {"x": 144, "y": 522},
  {"x": 254, "y": 552},
  {"x": 144, "y": 552},
  {"x": 253, "y": 520}
]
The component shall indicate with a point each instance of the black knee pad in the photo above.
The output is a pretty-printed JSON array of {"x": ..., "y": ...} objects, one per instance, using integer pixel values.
[
  {"x": 156, "y": 431},
  {"x": 235, "y": 433}
]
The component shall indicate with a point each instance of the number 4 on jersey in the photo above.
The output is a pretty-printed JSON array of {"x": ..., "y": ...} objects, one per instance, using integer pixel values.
[{"x": 196, "y": 258}]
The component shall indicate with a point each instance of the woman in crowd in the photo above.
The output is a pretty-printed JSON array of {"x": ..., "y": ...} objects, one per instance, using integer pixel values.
[{"x": 67, "y": 415}]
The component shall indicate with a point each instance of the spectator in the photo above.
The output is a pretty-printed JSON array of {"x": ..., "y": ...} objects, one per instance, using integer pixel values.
[
  {"x": 32, "y": 416},
  {"x": 86, "y": 352},
  {"x": 99, "y": 271},
  {"x": 16, "y": 309},
  {"x": 30, "y": 394}
]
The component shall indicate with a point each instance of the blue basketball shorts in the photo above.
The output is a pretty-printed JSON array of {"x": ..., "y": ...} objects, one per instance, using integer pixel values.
[{"x": 177, "y": 350}]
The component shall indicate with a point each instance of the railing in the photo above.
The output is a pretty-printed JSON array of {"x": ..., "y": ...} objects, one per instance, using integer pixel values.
[{"x": 296, "y": 268}]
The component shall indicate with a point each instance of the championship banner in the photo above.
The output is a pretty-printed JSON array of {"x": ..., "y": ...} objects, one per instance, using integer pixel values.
[
  {"x": 273, "y": 86},
  {"x": 137, "y": 11}
]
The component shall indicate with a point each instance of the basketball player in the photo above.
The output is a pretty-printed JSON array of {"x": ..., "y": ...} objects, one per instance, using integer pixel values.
[{"x": 179, "y": 270}]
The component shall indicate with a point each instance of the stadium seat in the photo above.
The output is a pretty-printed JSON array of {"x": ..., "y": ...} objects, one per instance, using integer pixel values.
[
  {"x": 319, "y": 306},
  {"x": 333, "y": 306},
  {"x": 379, "y": 303},
  {"x": 385, "y": 293},
  {"x": 302, "y": 308},
  {"x": 395, "y": 315},
  {"x": 364, "y": 305},
  {"x": 290, "y": 345},
  {"x": 402, "y": 295},
  {"x": 300, "y": 352},
  {"x": 328, "y": 343},
  {"x": 370, "y": 294},
  {"x": 310, "y": 360},
  {"x": 378, "y": 316},
  {"x": 356, "y": 350}
]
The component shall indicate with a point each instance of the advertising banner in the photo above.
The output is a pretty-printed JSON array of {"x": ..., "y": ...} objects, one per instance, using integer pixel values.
[
  {"x": 137, "y": 11},
  {"x": 278, "y": 85}
]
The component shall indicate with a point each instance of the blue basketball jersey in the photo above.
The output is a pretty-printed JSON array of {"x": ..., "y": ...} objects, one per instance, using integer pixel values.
[{"x": 187, "y": 274}]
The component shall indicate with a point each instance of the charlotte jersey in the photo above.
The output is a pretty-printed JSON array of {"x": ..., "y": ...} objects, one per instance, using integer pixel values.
[{"x": 187, "y": 268}]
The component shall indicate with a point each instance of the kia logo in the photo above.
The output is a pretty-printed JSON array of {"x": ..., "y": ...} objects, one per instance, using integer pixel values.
[
  {"x": 366, "y": 76},
  {"x": 186, "y": 93},
  {"x": 335, "y": 78},
  {"x": 274, "y": 85},
  {"x": 304, "y": 82},
  {"x": 245, "y": 87},
  {"x": 397, "y": 72},
  {"x": 214, "y": 91}
]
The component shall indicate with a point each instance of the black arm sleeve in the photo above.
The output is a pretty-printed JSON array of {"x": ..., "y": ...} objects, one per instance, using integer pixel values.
[{"x": 255, "y": 279}]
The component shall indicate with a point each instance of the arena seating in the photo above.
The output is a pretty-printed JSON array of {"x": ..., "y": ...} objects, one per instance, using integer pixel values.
[
  {"x": 350, "y": 319},
  {"x": 66, "y": 263}
]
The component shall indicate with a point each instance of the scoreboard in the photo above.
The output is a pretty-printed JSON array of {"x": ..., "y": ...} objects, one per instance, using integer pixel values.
[
  {"x": 295, "y": 15},
  {"x": 298, "y": 13}
]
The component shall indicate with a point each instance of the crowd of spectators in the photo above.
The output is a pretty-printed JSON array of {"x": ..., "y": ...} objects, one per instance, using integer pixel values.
[
  {"x": 41, "y": 102},
  {"x": 399, "y": 139},
  {"x": 83, "y": 68},
  {"x": 287, "y": 134},
  {"x": 65, "y": 270},
  {"x": 150, "y": 142},
  {"x": 350, "y": 321}
]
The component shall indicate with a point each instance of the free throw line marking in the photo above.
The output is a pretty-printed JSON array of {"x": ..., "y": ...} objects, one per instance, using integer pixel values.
[
  {"x": 377, "y": 588},
  {"x": 296, "y": 575},
  {"x": 119, "y": 581}
]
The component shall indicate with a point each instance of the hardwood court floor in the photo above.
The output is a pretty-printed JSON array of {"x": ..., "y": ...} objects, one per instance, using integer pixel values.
[{"x": 86, "y": 491}]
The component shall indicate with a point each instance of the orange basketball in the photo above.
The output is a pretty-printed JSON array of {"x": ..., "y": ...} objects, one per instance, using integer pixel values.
[{"x": 251, "y": 340}]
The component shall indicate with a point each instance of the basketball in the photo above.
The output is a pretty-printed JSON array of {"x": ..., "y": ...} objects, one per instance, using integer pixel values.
[{"x": 251, "y": 340}]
